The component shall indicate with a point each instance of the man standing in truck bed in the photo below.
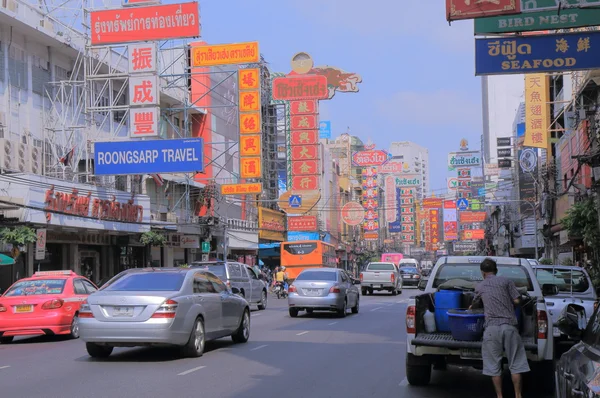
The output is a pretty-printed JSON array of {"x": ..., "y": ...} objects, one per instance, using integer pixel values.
[{"x": 499, "y": 296}]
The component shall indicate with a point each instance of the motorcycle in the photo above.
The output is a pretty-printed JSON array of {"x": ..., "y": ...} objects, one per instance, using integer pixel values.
[{"x": 280, "y": 291}]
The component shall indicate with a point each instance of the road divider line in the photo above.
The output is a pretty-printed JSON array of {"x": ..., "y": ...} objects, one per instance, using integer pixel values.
[
  {"x": 187, "y": 372},
  {"x": 301, "y": 333},
  {"x": 259, "y": 347},
  {"x": 375, "y": 309},
  {"x": 332, "y": 323},
  {"x": 4, "y": 367}
]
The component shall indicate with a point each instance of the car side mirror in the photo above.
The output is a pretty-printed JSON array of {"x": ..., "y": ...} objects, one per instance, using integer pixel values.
[
  {"x": 422, "y": 284},
  {"x": 572, "y": 321},
  {"x": 549, "y": 289},
  {"x": 235, "y": 290}
]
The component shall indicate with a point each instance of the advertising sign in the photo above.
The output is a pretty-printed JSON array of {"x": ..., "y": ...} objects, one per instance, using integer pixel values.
[
  {"x": 304, "y": 107},
  {"x": 432, "y": 203},
  {"x": 389, "y": 198},
  {"x": 306, "y": 167},
  {"x": 251, "y": 167},
  {"x": 250, "y": 123},
  {"x": 465, "y": 246},
  {"x": 504, "y": 152},
  {"x": 300, "y": 87},
  {"x": 408, "y": 180},
  {"x": 505, "y": 163},
  {"x": 503, "y": 141},
  {"x": 528, "y": 169},
  {"x": 464, "y": 159},
  {"x": 452, "y": 183},
  {"x": 143, "y": 122},
  {"x": 164, "y": 22},
  {"x": 394, "y": 167},
  {"x": 149, "y": 157},
  {"x": 300, "y": 122},
  {"x": 473, "y": 234},
  {"x": 40, "y": 244},
  {"x": 305, "y": 152},
  {"x": 535, "y": 54},
  {"x": 305, "y": 183},
  {"x": 225, "y": 54},
  {"x": 465, "y": 9},
  {"x": 250, "y": 145},
  {"x": 470, "y": 217},
  {"x": 302, "y": 223},
  {"x": 325, "y": 129},
  {"x": 142, "y": 58},
  {"x": 271, "y": 225},
  {"x": 143, "y": 90},
  {"x": 541, "y": 15},
  {"x": 537, "y": 110},
  {"x": 241, "y": 189},
  {"x": 376, "y": 157},
  {"x": 304, "y": 137},
  {"x": 300, "y": 236},
  {"x": 249, "y": 78}
]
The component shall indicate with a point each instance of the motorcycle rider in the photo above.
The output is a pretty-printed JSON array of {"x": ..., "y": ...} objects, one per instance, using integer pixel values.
[{"x": 281, "y": 277}]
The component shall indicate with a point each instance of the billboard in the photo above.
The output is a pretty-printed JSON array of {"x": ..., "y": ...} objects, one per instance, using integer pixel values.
[
  {"x": 298, "y": 236},
  {"x": 225, "y": 54},
  {"x": 538, "y": 21},
  {"x": 535, "y": 54},
  {"x": 389, "y": 198},
  {"x": 300, "y": 87},
  {"x": 537, "y": 110},
  {"x": 464, "y": 159},
  {"x": 396, "y": 226},
  {"x": 464, "y": 9},
  {"x": 271, "y": 224},
  {"x": 449, "y": 215},
  {"x": 149, "y": 157},
  {"x": 409, "y": 180},
  {"x": 470, "y": 217},
  {"x": 241, "y": 189},
  {"x": 376, "y": 157},
  {"x": 528, "y": 169},
  {"x": 302, "y": 223},
  {"x": 164, "y": 22}
]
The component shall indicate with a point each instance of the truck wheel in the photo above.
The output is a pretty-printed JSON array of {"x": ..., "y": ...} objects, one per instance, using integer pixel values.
[{"x": 417, "y": 375}]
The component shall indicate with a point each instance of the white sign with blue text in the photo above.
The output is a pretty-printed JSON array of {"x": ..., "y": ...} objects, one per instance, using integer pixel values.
[{"x": 149, "y": 157}]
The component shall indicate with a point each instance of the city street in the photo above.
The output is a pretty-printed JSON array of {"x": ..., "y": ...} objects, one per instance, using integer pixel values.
[{"x": 311, "y": 356}]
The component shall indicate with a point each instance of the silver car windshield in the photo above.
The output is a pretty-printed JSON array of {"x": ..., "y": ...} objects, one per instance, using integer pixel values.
[
  {"x": 380, "y": 267},
  {"x": 565, "y": 279},
  {"x": 151, "y": 281},
  {"x": 472, "y": 273},
  {"x": 317, "y": 276}
]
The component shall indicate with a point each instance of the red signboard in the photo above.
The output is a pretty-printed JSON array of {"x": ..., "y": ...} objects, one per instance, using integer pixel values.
[
  {"x": 472, "y": 216},
  {"x": 300, "y": 87},
  {"x": 470, "y": 9},
  {"x": 302, "y": 223},
  {"x": 390, "y": 168},
  {"x": 169, "y": 21},
  {"x": 303, "y": 122},
  {"x": 450, "y": 204},
  {"x": 473, "y": 234},
  {"x": 432, "y": 203},
  {"x": 370, "y": 158},
  {"x": 353, "y": 213},
  {"x": 304, "y": 107},
  {"x": 304, "y": 137},
  {"x": 305, "y": 167},
  {"x": 305, "y": 152},
  {"x": 305, "y": 183}
]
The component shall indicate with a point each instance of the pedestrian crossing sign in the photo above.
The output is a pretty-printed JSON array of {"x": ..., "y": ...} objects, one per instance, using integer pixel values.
[{"x": 295, "y": 201}]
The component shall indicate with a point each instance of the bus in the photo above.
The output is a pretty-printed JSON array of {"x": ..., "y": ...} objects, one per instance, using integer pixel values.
[
  {"x": 296, "y": 256},
  {"x": 392, "y": 258}
]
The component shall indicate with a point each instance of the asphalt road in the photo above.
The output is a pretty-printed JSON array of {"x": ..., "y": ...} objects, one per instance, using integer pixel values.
[{"x": 314, "y": 356}]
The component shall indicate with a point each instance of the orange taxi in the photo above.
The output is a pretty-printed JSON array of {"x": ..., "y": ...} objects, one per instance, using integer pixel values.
[{"x": 46, "y": 303}]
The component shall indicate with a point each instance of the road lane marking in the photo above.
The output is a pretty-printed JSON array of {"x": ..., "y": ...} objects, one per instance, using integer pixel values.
[
  {"x": 259, "y": 347},
  {"x": 404, "y": 382},
  {"x": 253, "y": 315},
  {"x": 332, "y": 323},
  {"x": 4, "y": 367},
  {"x": 187, "y": 372},
  {"x": 375, "y": 309},
  {"x": 301, "y": 333}
]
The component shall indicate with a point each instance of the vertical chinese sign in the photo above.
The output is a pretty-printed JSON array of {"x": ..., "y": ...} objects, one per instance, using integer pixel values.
[
  {"x": 389, "y": 199},
  {"x": 450, "y": 217},
  {"x": 370, "y": 200},
  {"x": 304, "y": 142},
  {"x": 144, "y": 93},
  {"x": 408, "y": 213},
  {"x": 433, "y": 221},
  {"x": 249, "y": 103},
  {"x": 537, "y": 110}
]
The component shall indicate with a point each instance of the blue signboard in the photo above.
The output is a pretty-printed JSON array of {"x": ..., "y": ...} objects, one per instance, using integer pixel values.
[
  {"x": 296, "y": 236},
  {"x": 535, "y": 54},
  {"x": 295, "y": 201},
  {"x": 462, "y": 204},
  {"x": 325, "y": 129},
  {"x": 520, "y": 129},
  {"x": 149, "y": 157},
  {"x": 396, "y": 226}
]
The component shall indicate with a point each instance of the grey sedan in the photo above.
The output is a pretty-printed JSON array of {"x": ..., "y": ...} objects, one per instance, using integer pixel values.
[
  {"x": 326, "y": 289},
  {"x": 162, "y": 306}
]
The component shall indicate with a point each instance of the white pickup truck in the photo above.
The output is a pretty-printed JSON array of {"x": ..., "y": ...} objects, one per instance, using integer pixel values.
[
  {"x": 380, "y": 276},
  {"x": 425, "y": 350}
]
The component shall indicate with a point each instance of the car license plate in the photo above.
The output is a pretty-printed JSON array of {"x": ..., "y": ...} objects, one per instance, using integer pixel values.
[
  {"x": 24, "y": 308},
  {"x": 470, "y": 353},
  {"x": 556, "y": 331},
  {"x": 123, "y": 311},
  {"x": 311, "y": 292}
]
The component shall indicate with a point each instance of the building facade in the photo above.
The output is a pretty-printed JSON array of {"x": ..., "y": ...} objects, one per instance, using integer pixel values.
[{"x": 415, "y": 160}]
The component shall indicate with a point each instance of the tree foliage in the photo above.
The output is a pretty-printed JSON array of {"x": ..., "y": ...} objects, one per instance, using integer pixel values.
[
  {"x": 546, "y": 261},
  {"x": 152, "y": 238},
  {"x": 582, "y": 222},
  {"x": 17, "y": 236}
]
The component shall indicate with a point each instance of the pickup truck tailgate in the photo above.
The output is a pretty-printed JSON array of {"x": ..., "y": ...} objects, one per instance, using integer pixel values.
[
  {"x": 377, "y": 276},
  {"x": 447, "y": 341}
]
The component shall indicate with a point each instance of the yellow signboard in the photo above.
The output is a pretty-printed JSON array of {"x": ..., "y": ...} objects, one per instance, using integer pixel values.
[
  {"x": 271, "y": 224},
  {"x": 250, "y": 123},
  {"x": 250, "y": 145},
  {"x": 248, "y": 79},
  {"x": 241, "y": 189},
  {"x": 249, "y": 101},
  {"x": 537, "y": 110},
  {"x": 225, "y": 54},
  {"x": 251, "y": 167}
]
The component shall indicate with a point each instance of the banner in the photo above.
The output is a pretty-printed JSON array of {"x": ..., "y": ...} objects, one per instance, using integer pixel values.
[
  {"x": 450, "y": 221},
  {"x": 528, "y": 170},
  {"x": 537, "y": 110}
]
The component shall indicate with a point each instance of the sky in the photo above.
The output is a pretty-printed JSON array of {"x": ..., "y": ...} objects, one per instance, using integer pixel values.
[{"x": 418, "y": 72}]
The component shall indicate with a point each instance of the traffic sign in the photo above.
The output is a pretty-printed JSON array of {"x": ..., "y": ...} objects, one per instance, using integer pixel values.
[
  {"x": 205, "y": 247},
  {"x": 462, "y": 204},
  {"x": 295, "y": 201}
]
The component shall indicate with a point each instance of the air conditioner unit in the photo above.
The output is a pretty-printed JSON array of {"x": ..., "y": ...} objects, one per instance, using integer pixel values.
[
  {"x": 36, "y": 160},
  {"x": 8, "y": 155},
  {"x": 24, "y": 158}
]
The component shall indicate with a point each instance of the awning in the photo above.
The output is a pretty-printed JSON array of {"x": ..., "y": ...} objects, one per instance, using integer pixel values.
[
  {"x": 6, "y": 260},
  {"x": 269, "y": 250}
]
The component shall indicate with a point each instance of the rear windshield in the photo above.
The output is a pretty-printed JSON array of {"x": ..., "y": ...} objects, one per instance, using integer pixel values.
[
  {"x": 408, "y": 270},
  {"x": 564, "y": 279},
  {"x": 151, "y": 281},
  {"x": 472, "y": 273},
  {"x": 36, "y": 287},
  {"x": 381, "y": 267},
  {"x": 317, "y": 276},
  {"x": 218, "y": 270}
]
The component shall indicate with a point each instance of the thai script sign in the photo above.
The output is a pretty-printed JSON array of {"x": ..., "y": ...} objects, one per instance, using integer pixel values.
[
  {"x": 170, "y": 21},
  {"x": 302, "y": 223},
  {"x": 465, "y": 246},
  {"x": 390, "y": 168},
  {"x": 538, "y": 21},
  {"x": 149, "y": 157},
  {"x": 408, "y": 180},
  {"x": 241, "y": 189},
  {"x": 353, "y": 213},
  {"x": 299, "y": 87},
  {"x": 537, "y": 110},
  {"x": 271, "y": 224},
  {"x": 472, "y": 216},
  {"x": 473, "y": 234},
  {"x": 534, "y": 54},
  {"x": 225, "y": 54},
  {"x": 464, "y": 159},
  {"x": 432, "y": 203},
  {"x": 465, "y": 9},
  {"x": 370, "y": 158}
]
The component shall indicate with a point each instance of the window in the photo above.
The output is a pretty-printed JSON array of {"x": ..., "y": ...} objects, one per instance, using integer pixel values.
[
  {"x": 234, "y": 270},
  {"x": 381, "y": 267},
  {"x": 40, "y": 75},
  {"x": 251, "y": 273},
  {"x": 148, "y": 281},
  {"x": 201, "y": 284},
  {"x": 565, "y": 279},
  {"x": 78, "y": 286},
  {"x": 17, "y": 67},
  {"x": 591, "y": 336},
  {"x": 344, "y": 277},
  {"x": 217, "y": 284},
  {"x": 217, "y": 269},
  {"x": 36, "y": 287},
  {"x": 317, "y": 276},
  {"x": 89, "y": 287},
  {"x": 472, "y": 273}
]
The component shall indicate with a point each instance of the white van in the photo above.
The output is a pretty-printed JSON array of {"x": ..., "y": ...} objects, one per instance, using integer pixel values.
[{"x": 408, "y": 262}]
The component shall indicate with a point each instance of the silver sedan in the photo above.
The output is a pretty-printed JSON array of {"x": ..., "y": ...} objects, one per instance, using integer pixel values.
[
  {"x": 325, "y": 289},
  {"x": 162, "y": 306}
]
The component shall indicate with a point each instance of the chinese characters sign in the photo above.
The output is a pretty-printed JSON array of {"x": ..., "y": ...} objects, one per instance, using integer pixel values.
[
  {"x": 370, "y": 196},
  {"x": 469, "y": 9},
  {"x": 142, "y": 58},
  {"x": 390, "y": 198},
  {"x": 302, "y": 223},
  {"x": 537, "y": 110},
  {"x": 249, "y": 103},
  {"x": 143, "y": 90},
  {"x": 226, "y": 54},
  {"x": 534, "y": 54},
  {"x": 144, "y": 122},
  {"x": 304, "y": 142},
  {"x": 169, "y": 21}
]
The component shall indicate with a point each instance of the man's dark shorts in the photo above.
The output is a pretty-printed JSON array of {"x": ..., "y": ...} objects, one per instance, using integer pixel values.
[{"x": 503, "y": 339}]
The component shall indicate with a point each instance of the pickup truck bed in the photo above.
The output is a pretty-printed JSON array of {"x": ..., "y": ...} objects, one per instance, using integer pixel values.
[{"x": 447, "y": 341}]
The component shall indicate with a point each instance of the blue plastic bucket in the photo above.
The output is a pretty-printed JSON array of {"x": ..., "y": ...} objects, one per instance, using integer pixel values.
[{"x": 445, "y": 300}]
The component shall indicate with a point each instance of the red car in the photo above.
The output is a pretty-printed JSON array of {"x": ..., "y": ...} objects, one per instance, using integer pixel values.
[{"x": 47, "y": 303}]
